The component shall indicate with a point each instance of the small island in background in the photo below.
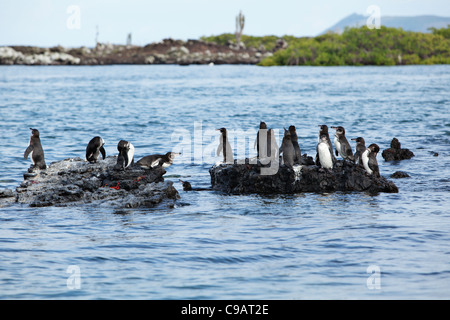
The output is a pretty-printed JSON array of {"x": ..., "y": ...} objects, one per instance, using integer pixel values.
[{"x": 354, "y": 46}]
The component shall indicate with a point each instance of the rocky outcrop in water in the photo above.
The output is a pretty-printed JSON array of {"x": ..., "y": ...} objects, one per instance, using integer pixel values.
[
  {"x": 36, "y": 56},
  {"x": 168, "y": 51},
  {"x": 395, "y": 152},
  {"x": 247, "y": 178},
  {"x": 75, "y": 182},
  {"x": 400, "y": 175}
]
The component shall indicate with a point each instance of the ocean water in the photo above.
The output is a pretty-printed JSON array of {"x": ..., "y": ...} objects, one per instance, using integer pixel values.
[{"x": 217, "y": 246}]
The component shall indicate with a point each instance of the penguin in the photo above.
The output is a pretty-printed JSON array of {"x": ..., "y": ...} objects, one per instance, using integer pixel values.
[
  {"x": 263, "y": 144},
  {"x": 287, "y": 148},
  {"x": 35, "y": 148},
  {"x": 369, "y": 160},
  {"x": 294, "y": 139},
  {"x": 225, "y": 147},
  {"x": 126, "y": 154},
  {"x": 360, "y": 148},
  {"x": 324, "y": 131},
  {"x": 187, "y": 187},
  {"x": 343, "y": 148},
  {"x": 94, "y": 148},
  {"x": 272, "y": 146},
  {"x": 324, "y": 153},
  {"x": 163, "y": 160}
]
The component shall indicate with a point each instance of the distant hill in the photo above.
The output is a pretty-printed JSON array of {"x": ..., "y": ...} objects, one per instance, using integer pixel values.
[{"x": 415, "y": 23}]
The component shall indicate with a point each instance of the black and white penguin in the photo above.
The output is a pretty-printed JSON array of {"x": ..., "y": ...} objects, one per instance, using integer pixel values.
[
  {"x": 261, "y": 145},
  {"x": 324, "y": 153},
  {"x": 369, "y": 160},
  {"x": 225, "y": 147},
  {"x": 360, "y": 148},
  {"x": 287, "y": 149},
  {"x": 294, "y": 139},
  {"x": 126, "y": 154},
  {"x": 36, "y": 151},
  {"x": 163, "y": 160},
  {"x": 324, "y": 131},
  {"x": 343, "y": 148},
  {"x": 94, "y": 148}
]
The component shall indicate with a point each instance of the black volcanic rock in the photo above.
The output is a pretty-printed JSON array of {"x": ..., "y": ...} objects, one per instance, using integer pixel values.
[
  {"x": 247, "y": 178},
  {"x": 399, "y": 175},
  {"x": 168, "y": 51},
  {"x": 395, "y": 152},
  {"x": 75, "y": 182}
]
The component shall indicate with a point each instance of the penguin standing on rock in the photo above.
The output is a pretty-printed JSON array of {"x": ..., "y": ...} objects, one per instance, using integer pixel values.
[
  {"x": 343, "y": 148},
  {"x": 261, "y": 145},
  {"x": 324, "y": 153},
  {"x": 225, "y": 147},
  {"x": 94, "y": 148},
  {"x": 272, "y": 146},
  {"x": 360, "y": 148},
  {"x": 294, "y": 139},
  {"x": 287, "y": 148},
  {"x": 324, "y": 132},
  {"x": 369, "y": 160},
  {"x": 126, "y": 154},
  {"x": 36, "y": 151}
]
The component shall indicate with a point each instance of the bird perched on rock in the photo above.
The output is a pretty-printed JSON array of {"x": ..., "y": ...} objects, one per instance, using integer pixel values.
[
  {"x": 324, "y": 153},
  {"x": 35, "y": 148},
  {"x": 163, "y": 160},
  {"x": 369, "y": 160},
  {"x": 272, "y": 146},
  {"x": 294, "y": 139},
  {"x": 343, "y": 148},
  {"x": 261, "y": 145},
  {"x": 395, "y": 152},
  {"x": 287, "y": 149},
  {"x": 324, "y": 132},
  {"x": 94, "y": 148},
  {"x": 225, "y": 147},
  {"x": 126, "y": 154},
  {"x": 360, "y": 148}
]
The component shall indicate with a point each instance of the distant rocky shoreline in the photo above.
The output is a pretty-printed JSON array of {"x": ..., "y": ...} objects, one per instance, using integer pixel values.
[{"x": 168, "y": 51}]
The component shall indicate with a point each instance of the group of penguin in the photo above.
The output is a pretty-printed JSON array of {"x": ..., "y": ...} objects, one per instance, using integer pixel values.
[
  {"x": 266, "y": 148},
  {"x": 95, "y": 148},
  {"x": 291, "y": 153}
]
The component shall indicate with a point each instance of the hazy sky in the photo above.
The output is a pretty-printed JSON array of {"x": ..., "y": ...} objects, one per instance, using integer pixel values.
[{"x": 52, "y": 22}]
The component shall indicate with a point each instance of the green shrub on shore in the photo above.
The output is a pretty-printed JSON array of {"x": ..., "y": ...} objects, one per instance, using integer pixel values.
[
  {"x": 362, "y": 46},
  {"x": 355, "y": 46}
]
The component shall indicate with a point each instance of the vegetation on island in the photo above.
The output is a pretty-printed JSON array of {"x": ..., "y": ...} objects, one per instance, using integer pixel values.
[{"x": 355, "y": 46}]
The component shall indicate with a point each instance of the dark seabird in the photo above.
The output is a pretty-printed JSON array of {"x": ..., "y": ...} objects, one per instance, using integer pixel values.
[
  {"x": 294, "y": 139},
  {"x": 287, "y": 149},
  {"x": 35, "y": 148},
  {"x": 360, "y": 148},
  {"x": 94, "y": 148},
  {"x": 225, "y": 147},
  {"x": 369, "y": 160},
  {"x": 187, "y": 187},
  {"x": 261, "y": 132},
  {"x": 343, "y": 148},
  {"x": 126, "y": 154},
  {"x": 163, "y": 160}
]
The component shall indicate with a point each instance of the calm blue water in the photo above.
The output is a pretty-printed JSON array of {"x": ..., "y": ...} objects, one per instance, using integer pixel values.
[{"x": 215, "y": 246}]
